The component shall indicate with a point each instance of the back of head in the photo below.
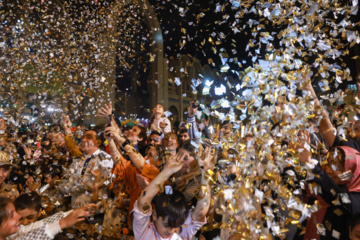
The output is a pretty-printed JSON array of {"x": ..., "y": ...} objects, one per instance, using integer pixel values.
[
  {"x": 173, "y": 206},
  {"x": 189, "y": 146},
  {"x": 28, "y": 200}
]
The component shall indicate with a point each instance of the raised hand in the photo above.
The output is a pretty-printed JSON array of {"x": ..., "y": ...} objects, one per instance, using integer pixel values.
[
  {"x": 105, "y": 111},
  {"x": 74, "y": 217},
  {"x": 66, "y": 123},
  {"x": 303, "y": 146},
  {"x": 112, "y": 133},
  {"x": 27, "y": 151},
  {"x": 175, "y": 162},
  {"x": 206, "y": 159},
  {"x": 192, "y": 111}
]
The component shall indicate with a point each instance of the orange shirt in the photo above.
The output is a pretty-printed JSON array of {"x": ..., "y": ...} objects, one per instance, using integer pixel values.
[{"x": 125, "y": 173}]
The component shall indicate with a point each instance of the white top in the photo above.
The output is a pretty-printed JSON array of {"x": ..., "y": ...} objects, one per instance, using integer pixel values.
[
  {"x": 46, "y": 228},
  {"x": 155, "y": 126}
]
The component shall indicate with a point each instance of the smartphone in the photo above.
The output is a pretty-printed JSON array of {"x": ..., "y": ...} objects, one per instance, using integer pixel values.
[
  {"x": 108, "y": 121},
  {"x": 352, "y": 87}
]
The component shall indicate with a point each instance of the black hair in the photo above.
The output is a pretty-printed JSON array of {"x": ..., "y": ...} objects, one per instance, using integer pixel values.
[
  {"x": 142, "y": 144},
  {"x": 183, "y": 130},
  {"x": 173, "y": 206},
  {"x": 355, "y": 220},
  {"x": 4, "y": 214},
  {"x": 153, "y": 133},
  {"x": 28, "y": 200}
]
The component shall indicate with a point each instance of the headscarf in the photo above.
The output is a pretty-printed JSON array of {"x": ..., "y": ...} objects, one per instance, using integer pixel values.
[{"x": 352, "y": 163}]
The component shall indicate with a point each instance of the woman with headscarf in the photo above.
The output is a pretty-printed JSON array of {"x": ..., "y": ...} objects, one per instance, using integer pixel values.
[{"x": 339, "y": 193}]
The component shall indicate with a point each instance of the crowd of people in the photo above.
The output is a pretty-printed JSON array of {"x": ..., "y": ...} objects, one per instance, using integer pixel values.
[{"x": 154, "y": 182}]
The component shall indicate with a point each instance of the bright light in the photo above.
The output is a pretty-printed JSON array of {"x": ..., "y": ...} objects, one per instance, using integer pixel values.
[
  {"x": 220, "y": 90},
  {"x": 92, "y": 125},
  {"x": 33, "y": 119},
  {"x": 237, "y": 87},
  {"x": 50, "y": 109}
]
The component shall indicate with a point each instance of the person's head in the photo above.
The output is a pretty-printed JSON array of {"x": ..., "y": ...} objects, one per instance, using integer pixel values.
[
  {"x": 137, "y": 135},
  {"x": 170, "y": 213},
  {"x": 354, "y": 228},
  {"x": 183, "y": 135},
  {"x": 190, "y": 155},
  {"x": 159, "y": 109},
  {"x": 9, "y": 218},
  {"x": 28, "y": 206},
  {"x": 154, "y": 138},
  {"x": 170, "y": 141},
  {"x": 335, "y": 164},
  {"x": 90, "y": 142},
  {"x": 5, "y": 166},
  {"x": 156, "y": 156},
  {"x": 354, "y": 130},
  {"x": 125, "y": 130}
]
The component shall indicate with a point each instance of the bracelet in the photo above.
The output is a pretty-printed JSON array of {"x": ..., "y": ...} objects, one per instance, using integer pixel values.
[{"x": 125, "y": 143}]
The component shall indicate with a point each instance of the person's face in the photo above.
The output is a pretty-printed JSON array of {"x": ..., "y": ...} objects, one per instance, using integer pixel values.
[
  {"x": 161, "y": 225},
  {"x": 133, "y": 135},
  {"x": 11, "y": 225},
  {"x": 333, "y": 168},
  {"x": 4, "y": 173},
  {"x": 355, "y": 232},
  {"x": 159, "y": 109},
  {"x": 152, "y": 155},
  {"x": 154, "y": 139},
  {"x": 354, "y": 130},
  {"x": 184, "y": 136},
  {"x": 88, "y": 143},
  {"x": 189, "y": 161},
  {"x": 170, "y": 142},
  {"x": 28, "y": 216}
]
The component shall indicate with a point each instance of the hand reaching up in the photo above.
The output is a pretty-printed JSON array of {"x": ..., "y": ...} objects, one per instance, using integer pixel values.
[
  {"x": 105, "y": 111},
  {"x": 175, "y": 162},
  {"x": 112, "y": 133},
  {"x": 192, "y": 111},
  {"x": 206, "y": 159},
  {"x": 66, "y": 123}
]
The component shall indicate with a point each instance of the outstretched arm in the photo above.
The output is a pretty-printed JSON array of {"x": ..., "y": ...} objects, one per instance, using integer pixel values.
[
  {"x": 203, "y": 205},
  {"x": 173, "y": 165},
  {"x": 326, "y": 128}
]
